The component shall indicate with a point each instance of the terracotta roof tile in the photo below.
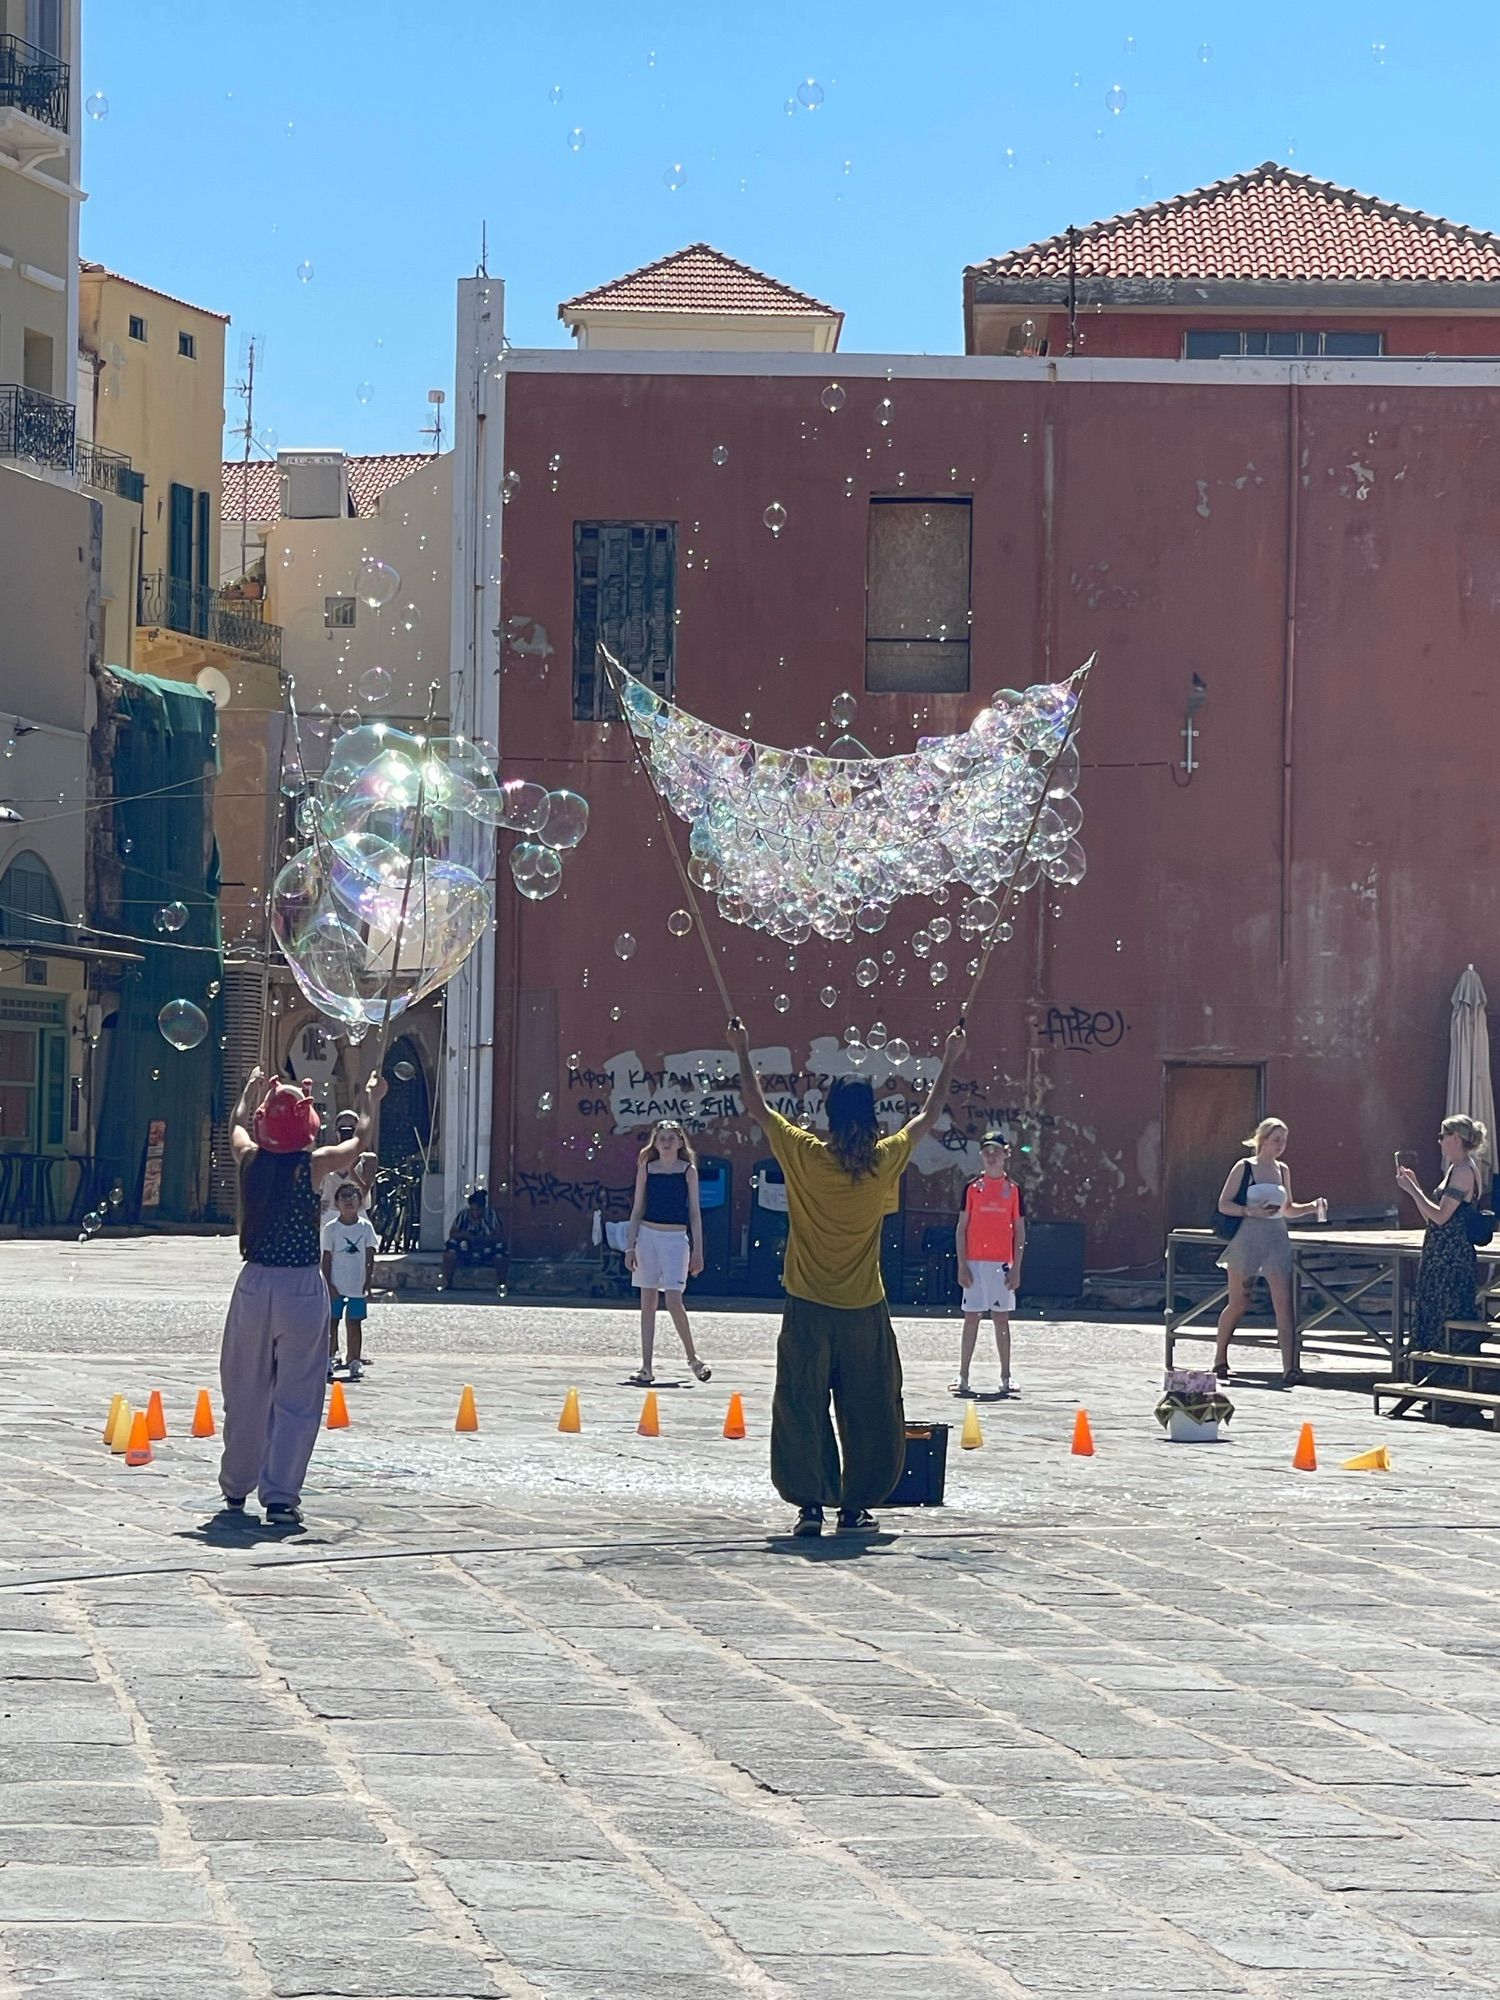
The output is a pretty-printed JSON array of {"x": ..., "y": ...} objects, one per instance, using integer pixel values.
[
  {"x": 697, "y": 279},
  {"x": 369, "y": 477},
  {"x": 1268, "y": 225},
  {"x": 90, "y": 270}
]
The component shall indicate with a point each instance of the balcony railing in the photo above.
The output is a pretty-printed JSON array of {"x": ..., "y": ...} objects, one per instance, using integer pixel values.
[
  {"x": 33, "y": 82},
  {"x": 37, "y": 427},
  {"x": 239, "y": 623},
  {"x": 110, "y": 471}
]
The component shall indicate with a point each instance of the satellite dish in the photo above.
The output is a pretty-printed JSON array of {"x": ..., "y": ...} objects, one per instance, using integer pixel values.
[{"x": 214, "y": 684}]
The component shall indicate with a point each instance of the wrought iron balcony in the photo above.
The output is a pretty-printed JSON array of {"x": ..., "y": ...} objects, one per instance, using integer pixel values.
[
  {"x": 33, "y": 82},
  {"x": 37, "y": 427},
  {"x": 110, "y": 471},
  {"x": 237, "y": 623}
]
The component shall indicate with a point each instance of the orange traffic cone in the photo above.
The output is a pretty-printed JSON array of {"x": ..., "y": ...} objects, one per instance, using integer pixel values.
[
  {"x": 571, "y": 1418},
  {"x": 203, "y": 1416},
  {"x": 972, "y": 1436},
  {"x": 156, "y": 1417},
  {"x": 734, "y": 1418},
  {"x": 113, "y": 1418},
  {"x": 120, "y": 1436},
  {"x": 1305, "y": 1457},
  {"x": 1083, "y": 1437},
  {"x": 338, "y": 1409},
  {"x": 138, "y": 1451},
  {"x": 468, "y": 1417},
  {"x": 650, "y": 1423}
]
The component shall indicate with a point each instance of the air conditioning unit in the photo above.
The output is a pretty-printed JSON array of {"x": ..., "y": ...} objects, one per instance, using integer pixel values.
[{"x": 314, "y": 485}]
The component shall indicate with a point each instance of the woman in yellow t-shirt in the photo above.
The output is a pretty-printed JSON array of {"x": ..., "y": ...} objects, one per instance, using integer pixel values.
[{"x": 836, "y": 1334}]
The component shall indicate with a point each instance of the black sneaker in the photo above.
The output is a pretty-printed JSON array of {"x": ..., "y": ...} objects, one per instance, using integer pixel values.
[
  {"x": 282, "y": 1514},
  {"x": 809, "y": 1521},
  {"x": 228, "y": 1506},
  {"x": 857, "y": 1521}
]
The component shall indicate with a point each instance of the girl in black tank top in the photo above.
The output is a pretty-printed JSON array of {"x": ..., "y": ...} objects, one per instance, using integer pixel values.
[{"x": 664, "y": 1239}]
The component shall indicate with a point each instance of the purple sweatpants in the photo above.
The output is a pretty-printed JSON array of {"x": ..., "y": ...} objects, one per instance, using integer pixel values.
[{"x": 273, "y": 1368}]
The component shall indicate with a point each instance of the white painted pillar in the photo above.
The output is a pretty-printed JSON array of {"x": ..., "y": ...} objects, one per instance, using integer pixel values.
[{"x": 474, "y": 709}]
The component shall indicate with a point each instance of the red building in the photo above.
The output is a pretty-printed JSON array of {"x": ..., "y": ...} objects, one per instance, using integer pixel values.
[{"x": 1297, "y": 557}]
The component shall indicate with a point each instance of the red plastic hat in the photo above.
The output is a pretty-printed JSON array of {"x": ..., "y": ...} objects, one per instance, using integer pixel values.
[{"x": 286, "y": 1121}]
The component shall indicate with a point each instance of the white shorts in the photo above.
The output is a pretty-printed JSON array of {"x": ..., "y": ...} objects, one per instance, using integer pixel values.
[
  {"x": 990, "y": 1291},
  {"x": 661, "y": 1260}
]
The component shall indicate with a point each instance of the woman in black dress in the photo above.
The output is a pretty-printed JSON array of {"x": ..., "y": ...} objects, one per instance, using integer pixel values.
[{"x": 1448, "y": 1275}]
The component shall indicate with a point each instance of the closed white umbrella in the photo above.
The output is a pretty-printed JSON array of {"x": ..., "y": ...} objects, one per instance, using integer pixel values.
[{"x": 1470, "y": 1091}]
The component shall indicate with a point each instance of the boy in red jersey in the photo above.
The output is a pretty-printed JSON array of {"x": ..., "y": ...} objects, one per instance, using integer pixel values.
[{"x": 991, "y": 1239}]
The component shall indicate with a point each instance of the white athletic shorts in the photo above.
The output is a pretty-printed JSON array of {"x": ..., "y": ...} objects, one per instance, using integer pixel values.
[
  {"x": 990, "y": 1291},
  {"x": 661, "y": 1260}
]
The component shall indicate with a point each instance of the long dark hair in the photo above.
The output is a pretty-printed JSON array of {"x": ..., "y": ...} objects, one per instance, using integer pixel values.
[
  {"x": 852, "y": 1129},
  {"x": 266, "y": 1186}
]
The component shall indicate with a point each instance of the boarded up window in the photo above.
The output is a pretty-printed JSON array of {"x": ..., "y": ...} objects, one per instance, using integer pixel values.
[
  {"x": 917, "y": 597},
  {"x": 625, "y": 593}
]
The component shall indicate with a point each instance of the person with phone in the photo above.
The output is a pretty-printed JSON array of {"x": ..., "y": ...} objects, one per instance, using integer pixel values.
[
  {"x": 1448, "y": 1274},
  {"x": 1258, "y": 1197}
]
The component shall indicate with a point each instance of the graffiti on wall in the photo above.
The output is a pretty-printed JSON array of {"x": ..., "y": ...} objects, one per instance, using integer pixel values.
[{"x": 1082, "y": 1028}]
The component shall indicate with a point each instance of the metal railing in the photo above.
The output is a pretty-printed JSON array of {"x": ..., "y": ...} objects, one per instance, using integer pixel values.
[
  {"x": 33, "y": 82},
  {"x": 110, "y": 471},
  {"x": 36, "y": 427},
  {"x": 239, "y": 623}
]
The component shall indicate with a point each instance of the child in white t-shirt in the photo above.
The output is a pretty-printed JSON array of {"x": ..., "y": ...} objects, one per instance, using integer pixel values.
[{"x": 349, "y": 1243}]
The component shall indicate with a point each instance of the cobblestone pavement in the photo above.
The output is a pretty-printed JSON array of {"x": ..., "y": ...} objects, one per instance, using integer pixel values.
[{"x": 527, "y": 1714}]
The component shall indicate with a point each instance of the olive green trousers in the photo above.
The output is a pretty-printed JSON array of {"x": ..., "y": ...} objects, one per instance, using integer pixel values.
[{"x": 850, "y": 1357}]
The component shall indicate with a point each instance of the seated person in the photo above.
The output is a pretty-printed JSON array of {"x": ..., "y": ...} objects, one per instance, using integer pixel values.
[{"x": 475, "y": 1237}]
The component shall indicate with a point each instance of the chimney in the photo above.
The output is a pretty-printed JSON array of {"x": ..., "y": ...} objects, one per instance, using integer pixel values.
[{"x": 314, "y": 485}]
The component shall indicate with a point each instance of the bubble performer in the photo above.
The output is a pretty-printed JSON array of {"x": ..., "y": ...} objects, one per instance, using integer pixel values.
[
  {"x": 836, "y": 1338},
  {"x": 273, "y": 1362}
]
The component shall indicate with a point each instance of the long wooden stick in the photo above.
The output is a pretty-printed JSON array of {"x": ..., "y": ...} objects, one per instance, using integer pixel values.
[
  {"x": 616, "y": 676},
  {"x": 1011, "y": 892}
]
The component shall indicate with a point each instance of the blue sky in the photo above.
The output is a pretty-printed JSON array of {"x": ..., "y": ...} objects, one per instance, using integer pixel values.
[{"x": 372, "y": 140}]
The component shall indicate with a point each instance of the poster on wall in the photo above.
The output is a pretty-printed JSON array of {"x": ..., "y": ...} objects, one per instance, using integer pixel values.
[{"x": 156, "y": 1147}]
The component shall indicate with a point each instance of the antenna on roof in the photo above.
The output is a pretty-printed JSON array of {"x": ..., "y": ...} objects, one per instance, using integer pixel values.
[
  {"x": 245, "y": 432},
  {"x": 1072, "y": 289},
  {"x": 434, "y": 429},
  {"x": 482, "y": 269}
]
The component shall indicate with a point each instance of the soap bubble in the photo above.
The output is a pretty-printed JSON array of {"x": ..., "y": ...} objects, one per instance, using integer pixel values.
[
  {"x": 829, "y": 996},
  {"x": 782, "y": 1002},
  {"x": 1378, "y": 51},
  {"x": 172, "y": 916},
  {"x": 575, "y": 139},
  {"x": 674, "y": 176},
  {"x": 1205, "y": 52},
  {"x": 554, "y": 95},
  {"x": 720, "y": 454},
  {"x": 624, "y": 945},
  {"x": 403, "y": 1071},
  {"x": 876, "y": 1038},
  {"x": 378, "y": 582},
  {"x": 937, "y": 972},
  {"x": 365, "y": 393},
  {"x": 867, "y": 972},
  {"x": 305, "y": 272},
  {"x": 810, "y": 94},
  {"x": 940, "y": 930},
  {"x": 182, "y": 1024},
  {"x": 567, "y": 819},
  {"x": 523, "y": 806},
  {"x": 535, "y": 869},
  {"x": 679, "y": 923},
  {"x": 885, "y": 409},
  {"x": 896, "y": 1052},
  {"x": 97, "y": 106},
  {"x": 544, "y": 1102},
  {"x": 842, "y": 710},
  {"x": 833, "y": 398},
  {"x": 374, "y": 684},
  {"x": 1115, "y": 99},
  {"x": 775, "y": 517}
]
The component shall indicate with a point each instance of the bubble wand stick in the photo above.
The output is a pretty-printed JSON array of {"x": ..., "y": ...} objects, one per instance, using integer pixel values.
[
  {"x": 411, "y": 864},
  {"x": 1081, "y": 677},
  {"x": 615, "y": 674}
]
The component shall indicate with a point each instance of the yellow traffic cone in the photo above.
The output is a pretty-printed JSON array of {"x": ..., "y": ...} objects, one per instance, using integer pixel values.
[
  {"x": 138, "y": 1451},
  {"x": 570, "y": 1420},
  {"x": 650, "y": 1423},
  {"x": 113, "y": 1418},
  {"x": 1378, "y": 1460},
  {"x": 121, "y": 1434},
  {"x": 468, "y": 1417},
  {"x": 972, "y": 1437}
]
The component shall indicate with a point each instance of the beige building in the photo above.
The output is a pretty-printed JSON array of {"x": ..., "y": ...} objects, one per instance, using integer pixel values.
[
  {"x": 699, "y": 299},
  {"x": 40, "y": 119}
]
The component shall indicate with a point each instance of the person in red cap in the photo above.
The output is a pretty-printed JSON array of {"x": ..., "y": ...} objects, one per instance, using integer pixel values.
[{"x": 273, "y": 1363}]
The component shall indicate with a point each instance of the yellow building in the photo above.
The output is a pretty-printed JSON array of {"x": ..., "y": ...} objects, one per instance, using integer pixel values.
[{"x": 40, "y": 198}]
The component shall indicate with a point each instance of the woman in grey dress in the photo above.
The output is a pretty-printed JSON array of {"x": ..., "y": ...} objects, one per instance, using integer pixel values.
[{"x": 1259, "y": 1191}]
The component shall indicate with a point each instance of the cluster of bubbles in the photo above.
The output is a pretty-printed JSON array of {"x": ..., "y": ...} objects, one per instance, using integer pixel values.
[
  {"x": 389, "y": 896},
  {"x": 794, "y": 842}
]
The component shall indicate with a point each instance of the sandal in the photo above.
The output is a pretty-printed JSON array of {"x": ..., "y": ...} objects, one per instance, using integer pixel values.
[
  {"x": 641, "y": 1379},
  {"x": 959, "y": 1389},
  {"x": 701, "y": 1369}
]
